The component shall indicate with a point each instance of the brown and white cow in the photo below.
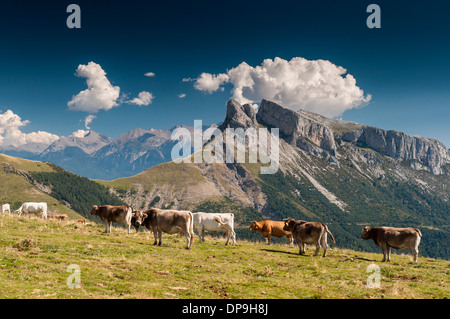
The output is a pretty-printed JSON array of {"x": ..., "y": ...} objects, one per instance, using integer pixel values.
[
  {"x": 111, "y": 214},
  {"x": 391, "y": 237},
  {"x": 171, "y": 222},
  {"x": 308, "y": 233},
  {"x": 269, "y": 228}
]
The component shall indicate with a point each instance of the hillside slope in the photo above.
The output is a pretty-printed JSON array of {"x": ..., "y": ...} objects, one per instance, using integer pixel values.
[
  {"x": 342, "y": 173},
  {"x": 36, "y": 254},
  {"x": 65, "y": 193},
  {"x": 17, "y": 185}
]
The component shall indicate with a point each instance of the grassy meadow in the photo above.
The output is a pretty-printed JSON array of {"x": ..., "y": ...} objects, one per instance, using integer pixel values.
[{"x": 35, "y": 255}]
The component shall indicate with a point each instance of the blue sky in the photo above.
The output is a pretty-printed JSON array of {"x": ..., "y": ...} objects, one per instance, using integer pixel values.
[{"x": 404, "y": 66}]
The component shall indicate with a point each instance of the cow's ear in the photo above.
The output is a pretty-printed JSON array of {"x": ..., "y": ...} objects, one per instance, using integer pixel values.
[{"x": 145, "y": 215}]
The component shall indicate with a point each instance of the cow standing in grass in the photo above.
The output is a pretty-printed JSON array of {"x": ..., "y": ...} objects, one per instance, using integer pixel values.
[
  {"x": 390, "y": 237},
  {"x": 269, "y": 228},
  {"x": 111, "y": 214},
  {"x": 168, "y": 221},
  {"x": 215, "y": 223},
  {"x": 33, "y": 208},
  {"x": 308, "y": 233}
]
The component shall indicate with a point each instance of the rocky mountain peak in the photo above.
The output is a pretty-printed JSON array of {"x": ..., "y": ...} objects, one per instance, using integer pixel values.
[{"x": 239, "y": 116}]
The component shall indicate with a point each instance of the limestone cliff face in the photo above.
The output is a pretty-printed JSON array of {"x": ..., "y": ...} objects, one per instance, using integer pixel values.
[
  {"x": 298, "y": 130},
  {"x": 306, "y": 131},
  {"x": 423, "y": 153}
]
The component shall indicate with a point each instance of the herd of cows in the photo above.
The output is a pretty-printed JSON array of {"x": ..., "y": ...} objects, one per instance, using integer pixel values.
[{"x": 185, "y": 222}]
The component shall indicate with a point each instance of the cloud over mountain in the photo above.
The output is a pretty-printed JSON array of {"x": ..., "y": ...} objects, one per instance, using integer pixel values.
[
  {"x": 319, "y": 85},
  {"x": 100, "y": 94}
]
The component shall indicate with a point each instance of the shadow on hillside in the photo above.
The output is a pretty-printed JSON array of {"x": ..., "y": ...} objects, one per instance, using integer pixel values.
[{"x": 283, "y": 252}]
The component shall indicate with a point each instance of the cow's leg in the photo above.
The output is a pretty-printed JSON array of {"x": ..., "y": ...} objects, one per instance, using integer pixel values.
[
  {"x": 268, "y": 239},
  {"x": 188, "y": 239},
  {"x": 203, "y": 235},
  {"x": 228, "y": 233},
  {"x": 300, "y": 248},
  {"x": 325, "y": 245},
  {"x": 384, "y": 249},
  {"x": 388, "y": 253},
  {"x": 233, "y": 236},
  {"x": 155, "y": 235},
  {"x": 317, "y": 248},
  {"x": 106, "y": 226},
  {"x": 160, "y": 237},
  {"x": 291, "y": 240},
  {"x": 415, "y": 251}
]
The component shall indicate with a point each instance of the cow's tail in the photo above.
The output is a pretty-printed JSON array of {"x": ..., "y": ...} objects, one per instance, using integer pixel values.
[
  {"x": 219, "y": 220},
  {"x": 418, "y": 232},
  {"x": 328, "y": 231}
]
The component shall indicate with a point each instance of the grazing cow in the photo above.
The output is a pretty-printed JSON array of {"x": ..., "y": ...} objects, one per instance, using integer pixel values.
[
  {"x": 137, "y": 219},
  {"x": 81, "y": 221},
  {"x": 6, "y": 208},
  {"x": 35, "y": 208},
  {"x": 269, "y": 228},
  {"x": 170, "y": 222},
  {"x": 215, "y": 223},
  {"x": 111, "y": 214},
  {"x": 390, "y": 237},
  {"x": 60, "y": 217},
  {"x": 308, "y": 233}
]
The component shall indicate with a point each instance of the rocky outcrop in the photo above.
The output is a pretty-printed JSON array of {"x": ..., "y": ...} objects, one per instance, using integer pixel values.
[
  {"x": 422, "y": 153},
  {"x": 298, "y": 129},
  {"x": 239, "y": 116}
]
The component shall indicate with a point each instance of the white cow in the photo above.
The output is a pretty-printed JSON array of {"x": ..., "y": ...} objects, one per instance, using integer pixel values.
[
  {"x": 35, "y": 208},
  {"x": 6, "y": 208},
  {"x": 215, "y": 223}
]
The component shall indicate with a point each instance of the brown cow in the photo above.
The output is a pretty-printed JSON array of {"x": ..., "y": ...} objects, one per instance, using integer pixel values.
[
  {"x": 137, "y": 219},
  {"x": 170, "y": 222},
  {"x": 308, "y": 233},
  {"x": 398, "y": 238},
  {"x": 269, "y": 228},
  {"x": 111, "y": 214}
]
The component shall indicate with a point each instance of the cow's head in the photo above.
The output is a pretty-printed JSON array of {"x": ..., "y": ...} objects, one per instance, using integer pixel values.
[
  {"x": 137, "y": 219},
  {"x": 366, "y": 233},
  {"x": 94, "y": 210},
  {"x": 289, "y": 224},
  {"x": 254, "y": 226}
]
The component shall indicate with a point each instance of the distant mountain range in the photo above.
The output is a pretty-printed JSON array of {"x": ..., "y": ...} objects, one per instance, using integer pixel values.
[{"x": 97, "y": 156}]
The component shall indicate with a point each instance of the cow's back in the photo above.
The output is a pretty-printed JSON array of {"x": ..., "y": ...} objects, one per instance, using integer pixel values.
[{"x": 400, "y": 238}]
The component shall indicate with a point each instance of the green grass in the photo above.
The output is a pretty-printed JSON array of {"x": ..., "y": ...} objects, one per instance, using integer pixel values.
[{"x": 35, "y": 254}]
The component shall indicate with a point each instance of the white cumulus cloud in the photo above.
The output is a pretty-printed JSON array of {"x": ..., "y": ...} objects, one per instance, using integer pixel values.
[
  {"x": 144, "y": 98},
  {"x": 319, "y": 85},
  {"x": 182, "y": 95},
  {"x": 100, "y": 94},
  {"x": 210, "y": 82},
  {"x": 11, "y": 134},
  {"x": 150, "y": 74}
]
